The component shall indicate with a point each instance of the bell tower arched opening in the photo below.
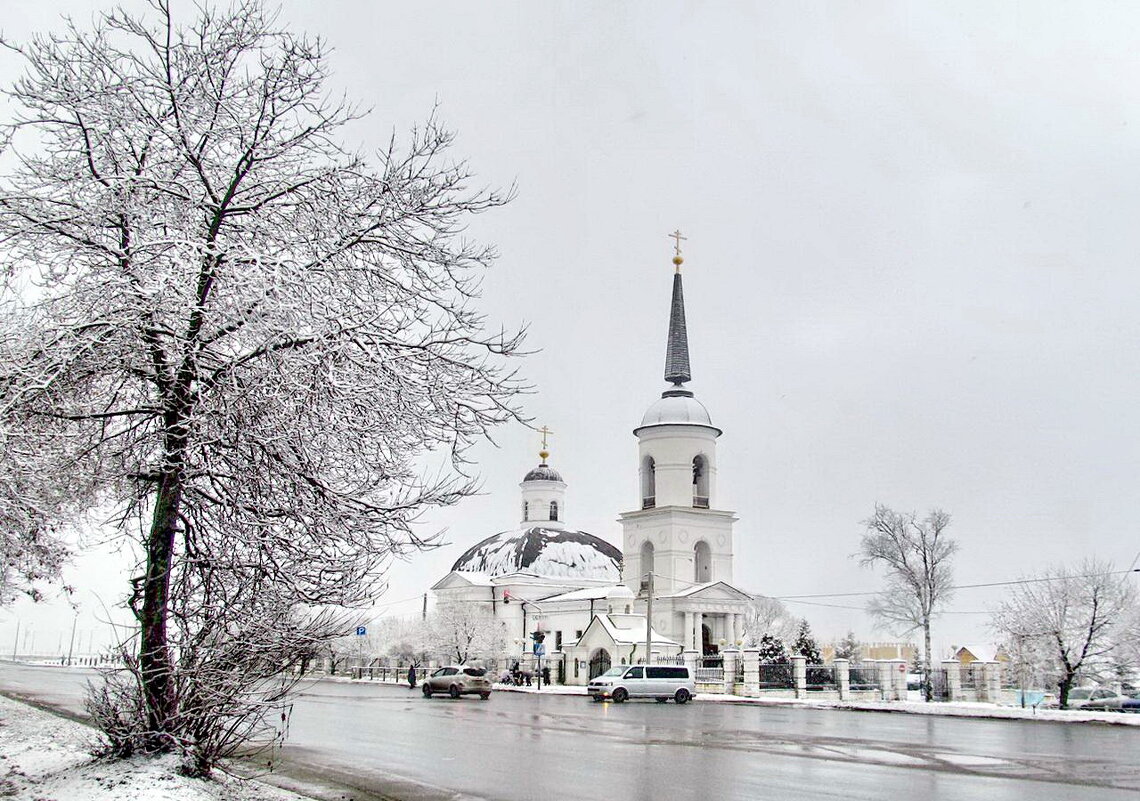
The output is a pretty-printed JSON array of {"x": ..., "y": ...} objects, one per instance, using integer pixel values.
[
  {"x": 648, "y": 483},
  {"x": 700, "y": 483},
  {"x": 702, "y": 563}
]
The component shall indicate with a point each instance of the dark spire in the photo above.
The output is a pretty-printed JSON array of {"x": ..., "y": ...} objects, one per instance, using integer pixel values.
[{"x": 677, "y": 348}]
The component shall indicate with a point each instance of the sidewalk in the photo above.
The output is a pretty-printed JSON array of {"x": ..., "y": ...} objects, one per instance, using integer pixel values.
[{"x": 961, "y": 709}]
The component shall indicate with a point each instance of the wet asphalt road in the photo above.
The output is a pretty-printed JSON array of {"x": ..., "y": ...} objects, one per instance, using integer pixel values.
[{"x": 377, "y": 741}]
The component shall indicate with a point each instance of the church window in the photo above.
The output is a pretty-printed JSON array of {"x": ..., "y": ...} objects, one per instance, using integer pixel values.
[
  {"x": 646, "y": 563},
  {"x": 702, "y": 562},
  {"x": 648, "y": 483},
  {"x": 558, "y": 641},
  {"x": 554, "y": 510},
  {"x": 700, "y": 483},
  {"x": 526, "y": 514}
]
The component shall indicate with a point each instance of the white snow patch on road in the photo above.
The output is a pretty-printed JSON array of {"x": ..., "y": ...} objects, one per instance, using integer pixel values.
[{"x": 44, "y": 757}]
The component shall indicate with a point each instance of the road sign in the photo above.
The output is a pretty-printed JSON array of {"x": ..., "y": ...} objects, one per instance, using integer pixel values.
[
  {"x": 902, "y": 668},
  {"x": 361, "y": 631},
  {"x": 540, "y": 649}
]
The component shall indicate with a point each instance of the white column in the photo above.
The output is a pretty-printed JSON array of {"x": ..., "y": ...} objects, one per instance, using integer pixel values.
[
  {"x": 736, "y": 632},
  {"x": 688, "y": 638},
  {"x": 698, "y": 634}
]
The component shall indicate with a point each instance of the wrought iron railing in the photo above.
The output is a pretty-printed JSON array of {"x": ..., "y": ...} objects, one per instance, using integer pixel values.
[
  {"x": 776, "y": 676},
  {"x": 710, "y": 669},
  {"x": 863, "y": 678},
  {"x": 821, "y": 677}
]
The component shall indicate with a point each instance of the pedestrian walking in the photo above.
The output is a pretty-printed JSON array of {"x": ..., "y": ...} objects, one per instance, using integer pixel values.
[{"x": 412, "y": 677}]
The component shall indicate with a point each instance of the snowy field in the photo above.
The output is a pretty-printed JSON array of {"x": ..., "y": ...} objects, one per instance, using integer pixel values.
[{"x": 44, "y": 757}]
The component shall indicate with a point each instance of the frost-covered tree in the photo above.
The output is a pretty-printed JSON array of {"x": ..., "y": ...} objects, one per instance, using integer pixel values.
[
  {"x": 764, "y": 616},
  {"x": 772, "y": 650},
  {"x": 849, "y": 648},
  {"x": 917, "y": 555},
  {"x": 461, "y": 632},
  {"x": 805, "y": 645},
  {"x": 1077, "y": 616},
  {"x": 235, "y": 332}
]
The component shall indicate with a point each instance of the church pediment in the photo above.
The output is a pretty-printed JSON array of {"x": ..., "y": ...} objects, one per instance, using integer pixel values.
[
  {"x": 458, "y": 579},
  {"x": 716, "y": 591}
]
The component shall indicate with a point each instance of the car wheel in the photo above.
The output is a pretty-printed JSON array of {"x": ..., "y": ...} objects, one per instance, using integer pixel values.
[
  {"x": 620, "y": 695},
  {"x": 427, "y": 691},
  {"x": 453, "y": 691},
  {"x": 484, "y": 696},
  {"x": 682, "y": 696}
]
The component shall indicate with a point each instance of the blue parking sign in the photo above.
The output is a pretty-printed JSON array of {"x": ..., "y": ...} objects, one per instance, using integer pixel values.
[{"x": 361, "y": 631}]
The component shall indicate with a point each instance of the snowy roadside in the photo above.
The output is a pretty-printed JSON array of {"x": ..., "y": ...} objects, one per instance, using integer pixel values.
[
  {"x": 44, "y": 757},
  {"x": 960, "y": 709}
]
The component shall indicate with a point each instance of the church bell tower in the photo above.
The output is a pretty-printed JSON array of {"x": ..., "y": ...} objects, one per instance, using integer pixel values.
[{"x": 676, "y": 531}]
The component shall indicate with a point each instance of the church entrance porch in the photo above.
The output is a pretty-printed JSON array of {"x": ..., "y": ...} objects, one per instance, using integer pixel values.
[
  {"x": 599, "y": 663},
  {"x": 707, "y": 644}
]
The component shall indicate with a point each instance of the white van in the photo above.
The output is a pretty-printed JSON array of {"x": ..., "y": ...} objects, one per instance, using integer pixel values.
[{"x": 660, "y": 682}]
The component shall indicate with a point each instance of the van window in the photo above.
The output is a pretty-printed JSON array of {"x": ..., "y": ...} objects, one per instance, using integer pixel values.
[
  {"x": 635, "y": 673},
  {"x": 666, "y": 672}
]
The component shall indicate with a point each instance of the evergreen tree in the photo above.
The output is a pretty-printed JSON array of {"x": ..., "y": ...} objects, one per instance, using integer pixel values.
[
  {"x": 849, "y": 648},
  {"x": 805, "y": 644},
  {"x": 772, "y": 651}
]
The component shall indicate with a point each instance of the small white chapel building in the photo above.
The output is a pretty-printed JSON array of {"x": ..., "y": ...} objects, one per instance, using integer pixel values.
[{"x": 589, "y": 597}]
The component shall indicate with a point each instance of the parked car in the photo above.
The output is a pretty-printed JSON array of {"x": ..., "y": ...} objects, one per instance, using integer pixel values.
[
  {"x": 1129, "y": 702},
  {"x": 1093, "y": 698},
  {"x": 457, "y": 680},
  {"x": 660, "y": 682}
]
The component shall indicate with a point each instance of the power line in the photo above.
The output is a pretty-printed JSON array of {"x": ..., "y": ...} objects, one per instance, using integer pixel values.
[{"x": 956, "y": 587}]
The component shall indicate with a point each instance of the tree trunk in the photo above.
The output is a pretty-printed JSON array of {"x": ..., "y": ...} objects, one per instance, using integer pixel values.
[
  {"x": 155, "y": 661},
  {"x": 1063, "y": 687},
  {"x": 927, "y": 685}
]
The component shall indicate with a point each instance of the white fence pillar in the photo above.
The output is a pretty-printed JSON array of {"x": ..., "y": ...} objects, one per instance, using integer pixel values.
[
  {"x": 843, "y": 678},
  {"x": 953, "y": 670},
  {"x": 751, "y": 657},
  {"x": 731, "y": 658},
  {"x": 799, "y": 672}
]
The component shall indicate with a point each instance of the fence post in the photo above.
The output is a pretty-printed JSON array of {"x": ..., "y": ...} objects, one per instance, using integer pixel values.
[
  {"x": 953, "y": 670},
  {"x": 731, "y": 656},
  {"x": 799, "y": 672},
  {"x": 898, "y": 671},
  {"x": 843, "y": 677},
  {"x": 751, "y": 657},
  {"x": 994, "y": 681},
  {"x": 690, "y": 658},
  {"x": 883, "y": 674}
]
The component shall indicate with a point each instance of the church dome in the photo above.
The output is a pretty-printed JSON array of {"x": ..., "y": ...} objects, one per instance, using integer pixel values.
[
  {"x": 677, "y": 409},
  {"x": 558, "y": 553},
  {"x": 543, "y": 472}
]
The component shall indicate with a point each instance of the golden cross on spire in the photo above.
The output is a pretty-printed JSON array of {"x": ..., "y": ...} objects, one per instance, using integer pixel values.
[
  {"x": 677, "y": 239},
  {"x": 544, "y": 452}
]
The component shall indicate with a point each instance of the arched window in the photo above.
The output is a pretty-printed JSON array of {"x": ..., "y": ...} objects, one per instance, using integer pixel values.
[
  {"x": 646, "y": 562},
  {"x": 700, "y": 483},
  {"x": 702, "y": 562},
  {"x": 526, "y": 513},
  {"x": 648, "y": 483},
  {"x": 554, "y": 510}
]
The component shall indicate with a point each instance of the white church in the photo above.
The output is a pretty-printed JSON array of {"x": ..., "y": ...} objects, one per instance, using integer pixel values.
[{"x": 587, "y": 596}]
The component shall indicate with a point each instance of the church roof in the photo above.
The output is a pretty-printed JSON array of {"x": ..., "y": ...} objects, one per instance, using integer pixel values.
[
  {"x": 677, "y": 408},
  {"x": 563, "y": 553},
  {"x": 543, "y": 472},
  {"x": 677, "y": 370}
]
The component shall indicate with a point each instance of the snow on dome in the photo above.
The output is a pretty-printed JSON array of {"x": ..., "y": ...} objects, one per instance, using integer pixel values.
[
  {"x": 560, "y": 553},
  {"x": 683, "y": 409},
  {"x": 543, "y": 472}
]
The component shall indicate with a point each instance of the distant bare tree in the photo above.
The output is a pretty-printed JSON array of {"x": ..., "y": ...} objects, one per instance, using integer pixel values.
[
  {"x": 767, "y": 616},
  {"x": 917, "y": 555},
  {"x": 407, "y": 639},
  {"x": 243, "y": 337},
  {"x": 1077, "y": 616},
  {"x": 463, "y": 631}
]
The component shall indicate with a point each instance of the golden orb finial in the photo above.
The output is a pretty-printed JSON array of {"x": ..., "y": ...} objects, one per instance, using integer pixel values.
[{"x": 677, "y": 238}]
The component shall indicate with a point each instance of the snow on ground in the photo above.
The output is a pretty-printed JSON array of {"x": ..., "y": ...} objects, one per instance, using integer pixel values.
[{"x": 44, "y": 757}]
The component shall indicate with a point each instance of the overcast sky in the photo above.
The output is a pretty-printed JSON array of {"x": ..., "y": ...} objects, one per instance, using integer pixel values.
[{"x": 910, "y": 270}]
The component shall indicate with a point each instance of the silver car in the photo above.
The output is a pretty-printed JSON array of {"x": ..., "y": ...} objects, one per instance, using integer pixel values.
[
  {"x": 457, "y": 680},
  {"x": 659, "y": 682}
]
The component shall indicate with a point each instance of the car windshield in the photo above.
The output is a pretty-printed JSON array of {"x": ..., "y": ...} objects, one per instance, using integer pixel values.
[{"x": 612, "y": 672}]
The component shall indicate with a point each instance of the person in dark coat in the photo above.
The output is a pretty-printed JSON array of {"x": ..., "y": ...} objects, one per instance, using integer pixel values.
[{"x": 412, "y": 677}]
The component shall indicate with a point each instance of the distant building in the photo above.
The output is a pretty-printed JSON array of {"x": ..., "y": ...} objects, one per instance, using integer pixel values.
[
  {"x": 980, "y": 653},
  {"x": 589, "y": 597}
]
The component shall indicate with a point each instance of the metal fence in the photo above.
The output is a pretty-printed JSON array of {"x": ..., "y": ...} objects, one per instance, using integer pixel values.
[
  {"x": 863, "y": 678},
  {"x": 710, "y": 669},
  {"x": 777, "y": 676},
  {"x": 821, "y": 677},
  {"x": 971, "y": 679}
]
